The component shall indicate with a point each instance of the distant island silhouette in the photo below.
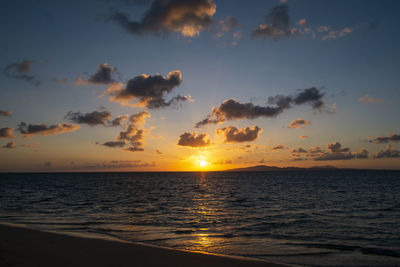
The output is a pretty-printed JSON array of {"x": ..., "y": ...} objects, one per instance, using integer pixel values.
[{"x": 264, "y": 168}]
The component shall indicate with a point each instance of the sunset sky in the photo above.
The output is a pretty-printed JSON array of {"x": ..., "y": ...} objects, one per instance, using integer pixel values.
[{"x": 181, "y": 85}]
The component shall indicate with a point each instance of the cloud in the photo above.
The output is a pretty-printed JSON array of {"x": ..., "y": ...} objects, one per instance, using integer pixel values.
[
  {"x": 119, "y": 120},
  {"x": 133, "y": 135},
  {"x": 386, "y": 139},
  {"x": 303, "y": 136},
  {"x": 279, "y": 23},
  {"x": 187, "y": 17},
  {"x": 277, "y": 26},
  {"x": 5, "y": 113},
  {"x": 47, "y": 164},
  {"x": 42, "y": 129},
  {"x": 238, "y": 135},
  {"x": 91, "y": 118},
  {"x": 228, "y": 24},
  {"x": 278, "y": 147},
  {"x": 148, "y": 90},
  {"x": 103, "y": 75},
  {"x": 20, "y": 70},
  {"x": 302, "y": 22},
  {"x": 338, "y": 33},
  {"x": 194, "y": 140},
  {"x": 157, "y": 151},
  {"x": 6, "y": 132},
  {"x": 231, "y": 109},
  {"x": 298, "y": 123},
  {"x": 369, "y": 99},
  {"x": 389, "y": 152},
  {"x": 140, "y": 117},
  {"x": 10, "y": 145},
  {"x": 299, "y": 150},
  {"x": 119, "y": 143},
  {"x": 336, "y": 152}
]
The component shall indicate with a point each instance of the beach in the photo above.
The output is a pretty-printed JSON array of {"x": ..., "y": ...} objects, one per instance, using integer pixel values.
[{"x": 26, "y": 247}]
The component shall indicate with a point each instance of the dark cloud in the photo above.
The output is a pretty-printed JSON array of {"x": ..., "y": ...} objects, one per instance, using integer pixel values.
[
  {"x": 231, "y": 109},
  {"x": 10, "y": 145},
  {"x": 389, "y": 152},
  {"x": 311, "y": 96},
  {"x": 299, "y": 150},
  {"x": 133, "y": 135},
  {"x": 120, "y": 143},
  {"x": 187, "y": 17},
  {"x": 47, "y": 164},
  {"x": 91, "y": 118},
  {"x": 6, "y": 132},
  {"x": 386, "y": 139},
  {"x": 42, "y": 129},
  {"x": 278, "y": 147},
  {"x": 20, "y": 70},
  {"x": 119, "y": 120},
  {"x": 5, "y": 113},
  {"x": 336, "y": 152},
  {"x": 157, "y": 151},
  {"x": 149, "y": 90},
  {"x": 298, "y": 123},
  {"x": 278, "y": 23},
  {"x": 238, "y": 135},
  {"x": 194, "y": 140},
  {"x": 103, "y": 75}
]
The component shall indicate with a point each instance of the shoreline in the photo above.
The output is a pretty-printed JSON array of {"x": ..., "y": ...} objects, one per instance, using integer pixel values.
[{"x": 20, "y": 246}]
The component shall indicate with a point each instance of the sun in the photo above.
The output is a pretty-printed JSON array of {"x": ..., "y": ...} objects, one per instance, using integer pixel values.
[{"x": 203, "y": 163}]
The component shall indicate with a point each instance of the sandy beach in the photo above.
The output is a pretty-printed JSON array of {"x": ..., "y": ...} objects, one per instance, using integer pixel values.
[{"x": 26, "y": 247}]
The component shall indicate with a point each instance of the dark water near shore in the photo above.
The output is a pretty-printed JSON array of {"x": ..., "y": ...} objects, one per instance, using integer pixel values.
[{"x": 329, "y": 218}]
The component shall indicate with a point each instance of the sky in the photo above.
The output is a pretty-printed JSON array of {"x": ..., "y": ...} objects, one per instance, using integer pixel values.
[{"x": 197, "y": 85}]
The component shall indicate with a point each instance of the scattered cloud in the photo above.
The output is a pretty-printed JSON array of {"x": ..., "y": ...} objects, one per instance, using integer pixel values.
[
  {"x": 231, "y": 109},
  {"x": 278, "y": 26},
  {"x": 302, "y": 22},
  {"x": 90, "y": 118},
  {"x": 20, "y": 70},
  {"x": 299, "y": 123},
  {"x": 148, "y": 90},
  {"x": 5, "y": 113},
  {"x": 41, "y": 129},
  {"x": 337, "y": 33},
  {"x": 336, "y": 152},
  {"x": 385, "y": 139},
  {"x": 103, "y": 75},
  {"x": 158, "y": 152},
  {"x": 303, "y": 136},
  {"x": 118, "y": 143},
  {"x": 298, "y": 150},
  {"x": 10, "y": 145},
  {"x": 194, "y": 140},
  {"x": 369, "y": 99},
  {"x": 133, "y": 135},
  {"x": 6, "y": 132},
  {"x": 389, "y": 152},
  {"x": 119, "y": 120},
  {"x": 186, "y": 17},
  {"x": 47, "y": 164},
  {"x": 278, "y": 147},
  {"x": 238, "y": 135}
]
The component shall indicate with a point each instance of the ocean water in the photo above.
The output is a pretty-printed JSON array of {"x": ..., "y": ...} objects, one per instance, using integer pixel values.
[{"x": 319, "y": 218}]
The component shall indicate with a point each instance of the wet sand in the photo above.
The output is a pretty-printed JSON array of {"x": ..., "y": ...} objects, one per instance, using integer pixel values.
[{"x": 26, "y": 247}]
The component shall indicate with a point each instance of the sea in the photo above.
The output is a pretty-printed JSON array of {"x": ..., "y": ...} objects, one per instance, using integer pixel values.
[{"x": 306, "y": 218}]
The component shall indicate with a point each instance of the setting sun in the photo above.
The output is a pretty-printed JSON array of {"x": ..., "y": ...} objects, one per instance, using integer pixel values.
[{"x": 202, "y": 163}]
